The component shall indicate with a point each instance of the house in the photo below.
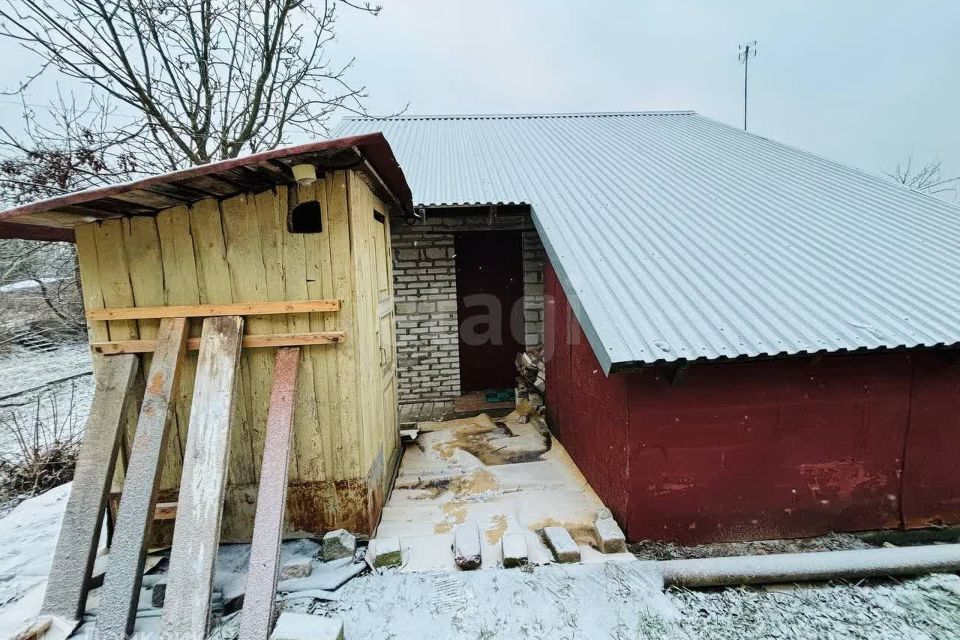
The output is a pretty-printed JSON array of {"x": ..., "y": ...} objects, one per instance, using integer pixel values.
[{"x": 744, "y": 340}]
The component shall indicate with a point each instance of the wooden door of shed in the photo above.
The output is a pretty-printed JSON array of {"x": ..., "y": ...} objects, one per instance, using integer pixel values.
[
  {"x": 489, "y": 307},
  {"x": 385, "y": 327}
]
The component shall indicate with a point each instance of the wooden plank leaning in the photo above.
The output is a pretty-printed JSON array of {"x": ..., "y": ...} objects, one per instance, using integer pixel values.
[
  {"x": 121, "y": 588},
  {"x": 257, "y": 616},
  {"x": 116, "y": 397},
  {"x": 186, "y": 610}
]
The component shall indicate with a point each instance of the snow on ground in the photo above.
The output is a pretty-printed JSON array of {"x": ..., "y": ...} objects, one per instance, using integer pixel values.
[
  {"x": 925, "y": 608},
  {"x": 28, "y": 535},
  {"x": 22, "y": 369},
  {"x": 601, "y": 600},
  {"x": 607, "y": 600}
]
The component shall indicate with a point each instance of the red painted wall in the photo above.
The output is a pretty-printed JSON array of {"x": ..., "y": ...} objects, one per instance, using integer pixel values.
[
  {"x": 586, "y": 410},
  {"x": 753, "y": 450}
]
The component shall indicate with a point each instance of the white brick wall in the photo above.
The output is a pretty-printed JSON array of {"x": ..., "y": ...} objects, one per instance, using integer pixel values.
[{"x": 428, "y": 361}]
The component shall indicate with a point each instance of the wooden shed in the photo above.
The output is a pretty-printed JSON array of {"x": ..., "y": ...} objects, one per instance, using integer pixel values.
[{"x": 240, "y": 233}]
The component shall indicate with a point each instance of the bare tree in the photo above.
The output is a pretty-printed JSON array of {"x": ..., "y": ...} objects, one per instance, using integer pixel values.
[
  {"x": 928, "y": 178},
  {"x": 71, "y": 146},
  {"x": 206, "y": 79}
]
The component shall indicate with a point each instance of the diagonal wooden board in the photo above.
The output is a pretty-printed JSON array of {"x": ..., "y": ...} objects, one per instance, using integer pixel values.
[
  {"x": 115, "y": 397},
  {"x": 193, "y": 557},
  {"x": 121, "y": 588},
  {"x": 257, "y": 616}
]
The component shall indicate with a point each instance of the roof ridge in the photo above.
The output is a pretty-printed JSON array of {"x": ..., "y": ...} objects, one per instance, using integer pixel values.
[{"x": 521, "y": 116}]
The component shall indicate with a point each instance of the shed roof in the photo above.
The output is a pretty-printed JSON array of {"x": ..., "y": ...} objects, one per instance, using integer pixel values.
[
  {"x": 54, "y": 218},
  {"x": 680, "y": 238}
]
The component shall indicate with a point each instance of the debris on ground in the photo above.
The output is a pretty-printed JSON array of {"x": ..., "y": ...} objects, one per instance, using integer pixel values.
[
  {"x": 302, "y": 626},
  {"x": 918, "y": 609},
  {"x": 656, "y": 550},
  {"x": 386, "y": 552},
  {"x": 339, "y": 544}
]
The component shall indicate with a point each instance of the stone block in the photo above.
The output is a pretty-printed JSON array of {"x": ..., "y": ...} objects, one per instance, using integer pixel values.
[
  {"x": 303, "y": 626},
  {"x": 514, "y": 548},
  {"x": 466, "y": 545},
  {"x": 386, "y": 552},
  {"x": 563, "y": 546},
  {"x": 296, "y": 568},
  {"x": 610, "y": 538},
  {"x": 338, "y": 544}
]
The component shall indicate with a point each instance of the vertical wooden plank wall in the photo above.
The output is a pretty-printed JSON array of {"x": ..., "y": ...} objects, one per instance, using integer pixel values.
[{"x": 239, "y": 250}]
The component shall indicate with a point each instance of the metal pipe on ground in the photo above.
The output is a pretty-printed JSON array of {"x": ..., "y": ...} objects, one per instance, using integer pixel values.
[{"x": 806, "y": 567}]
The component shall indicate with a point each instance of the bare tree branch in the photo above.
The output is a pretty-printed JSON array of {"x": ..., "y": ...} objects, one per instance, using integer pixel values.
[
  {"x": 928, "y": 178},
  {"x": 209, "y": 79}
]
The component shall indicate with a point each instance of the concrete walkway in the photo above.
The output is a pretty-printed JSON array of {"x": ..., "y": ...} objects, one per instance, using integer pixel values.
[{"x": 506, "y": 476}]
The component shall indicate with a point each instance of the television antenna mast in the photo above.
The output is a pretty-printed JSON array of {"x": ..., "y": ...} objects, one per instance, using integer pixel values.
[{"x": 747, "y": 50}]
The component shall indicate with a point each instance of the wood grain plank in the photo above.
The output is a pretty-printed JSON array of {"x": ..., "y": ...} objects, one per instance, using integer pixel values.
[
  {"x": 308, "y": 458},
  {"x": 121, "y": 588},
  {"x": 114, "y": 392},
  {"x": 248, "y": 281},
  {"x": 181, "y": 287},
  {"x": 257, "y": 616},
  {"x": 212, "y": 310},
  {"x": 186, "y": 611},
  {"x": 342, "y": 379},
  {"x": 249, "y": 342}
]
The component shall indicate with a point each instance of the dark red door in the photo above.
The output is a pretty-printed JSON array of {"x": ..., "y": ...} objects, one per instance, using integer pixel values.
[{"x": 489, "y": 307}]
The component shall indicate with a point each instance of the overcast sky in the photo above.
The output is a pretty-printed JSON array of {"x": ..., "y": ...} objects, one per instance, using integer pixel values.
[{"x": 867, "y": 83}]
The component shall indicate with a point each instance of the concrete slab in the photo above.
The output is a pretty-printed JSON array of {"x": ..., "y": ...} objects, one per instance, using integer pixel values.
[{"x": 466, "y": 470}]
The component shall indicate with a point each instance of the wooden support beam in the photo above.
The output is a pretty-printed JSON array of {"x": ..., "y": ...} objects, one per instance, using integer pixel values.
[
  {"x": 165, "y": 511},
  {"x": 249, "y": 342},
  {"x": 121, "y": 588},
  {"x": 212, "y": 310},
  {"x": 257, "y": 616},
  {"x": 186, "y": 611},
  {"x": 115, "y": 398}
]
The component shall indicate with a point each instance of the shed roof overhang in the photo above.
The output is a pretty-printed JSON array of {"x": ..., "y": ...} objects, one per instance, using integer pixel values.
[{"x": 54, "y": 218}]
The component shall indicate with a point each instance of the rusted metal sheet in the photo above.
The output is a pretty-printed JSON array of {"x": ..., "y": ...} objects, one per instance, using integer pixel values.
[
  {"x": 121, "y": 589},
  {"x": 586, "y": 409},
  {"x": 257, "y": 616},
  {"x": 762, "y": 449},
  {"x": 114, "y": 399},
  {"x": 775, "y": 449},
  {"x": 217, "y": 179},
  {"x": 931, "y": 483},
  {"x": 186, "y": 612}
]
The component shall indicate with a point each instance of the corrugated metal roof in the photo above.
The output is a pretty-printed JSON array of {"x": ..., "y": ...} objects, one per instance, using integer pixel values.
[{"x": 680, "y": 238}]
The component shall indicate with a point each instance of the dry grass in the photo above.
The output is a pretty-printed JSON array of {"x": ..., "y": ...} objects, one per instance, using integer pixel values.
[{"x": 42, "y": 443}]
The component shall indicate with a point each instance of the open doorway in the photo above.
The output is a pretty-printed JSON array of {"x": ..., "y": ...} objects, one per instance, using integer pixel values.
[{"x": 489, "y": 307}]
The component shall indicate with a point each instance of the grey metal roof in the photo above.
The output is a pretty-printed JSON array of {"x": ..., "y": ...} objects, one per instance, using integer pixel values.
[{"x": 680, "y": 238}]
